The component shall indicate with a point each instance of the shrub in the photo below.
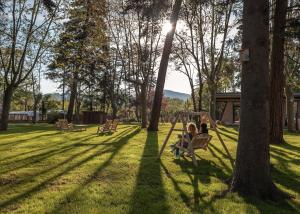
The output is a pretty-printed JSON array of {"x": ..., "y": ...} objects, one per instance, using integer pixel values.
[{"x": 53, "y": 116}]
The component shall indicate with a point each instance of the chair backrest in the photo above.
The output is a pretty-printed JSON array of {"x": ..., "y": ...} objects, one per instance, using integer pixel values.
[
  {"x": 64, "y": 124},
  {"x": 201, "y": 141},
  {"x": 107, "y": 125},
  {"x": 114, "y": 125},
  {"x": 60, "y": 123}
]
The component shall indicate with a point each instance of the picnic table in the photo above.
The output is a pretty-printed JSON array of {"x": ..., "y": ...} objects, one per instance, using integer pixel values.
[{"x": 80, "y": 127}]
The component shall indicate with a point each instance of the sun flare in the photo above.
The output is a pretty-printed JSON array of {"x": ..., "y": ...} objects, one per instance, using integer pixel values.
[{"x": 167, "y": 27}]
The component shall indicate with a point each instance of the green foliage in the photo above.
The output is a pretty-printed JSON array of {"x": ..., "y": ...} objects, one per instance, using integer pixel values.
[
  {"x": 81, "y": 52},
  {"x": 50, "y": 103},
  {"x": 53, "y": 116},
  {"x": 174, "y": 105},
  {"x": 46, "y": 171},
  {"x": 22, "y": 98}
]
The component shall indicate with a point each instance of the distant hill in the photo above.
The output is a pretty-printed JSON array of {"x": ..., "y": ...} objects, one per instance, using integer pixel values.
[{"x": 178, "y": 95}]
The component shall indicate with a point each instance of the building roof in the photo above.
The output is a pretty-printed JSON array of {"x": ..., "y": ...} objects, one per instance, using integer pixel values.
[{"x": 237, "y": 96}]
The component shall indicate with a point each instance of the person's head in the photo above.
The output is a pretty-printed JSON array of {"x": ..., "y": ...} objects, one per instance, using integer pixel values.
[
  {"x": 204, "y": 128},
  {"x": 192, "y": 128}
]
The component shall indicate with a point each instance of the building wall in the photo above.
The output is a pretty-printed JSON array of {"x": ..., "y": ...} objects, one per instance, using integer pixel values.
[{"x": 227, "y": 117}]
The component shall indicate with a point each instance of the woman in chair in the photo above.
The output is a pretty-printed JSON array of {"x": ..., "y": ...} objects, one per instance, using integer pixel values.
[{"x": 192, "y": 131}]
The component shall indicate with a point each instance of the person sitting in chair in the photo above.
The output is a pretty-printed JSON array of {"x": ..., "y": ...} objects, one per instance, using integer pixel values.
[
  {"x": 192, "y": 131},
  {"x": 203, "y": 128},
  {"x": 203, "y": 132}
]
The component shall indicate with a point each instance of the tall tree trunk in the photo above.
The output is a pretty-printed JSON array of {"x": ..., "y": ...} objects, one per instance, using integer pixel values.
[
  {"x": 193, "y": 95},
  {"x": 200, "y": 94},
  {"x": 34, "y": 110},
  {"x": 7, "y": 97},
  {"x": 114, "y": 110},
  {"x": 277, "y": 73},
  {"x": 252, "y": 170},
  {"x": 159, "y": 90},
  {"x": 137, "y": 103},
  {"x": 72, "y": 99},
  {"x": 114, "y": 107},
  {"x": 212, "y": 101},
  {"x": 34, "y": 100},
  {"x": 91, "y": 97},
  {"x": 298, "y": 116},
  {"x": 77, "y": 111},
  {"x": 63, "y": 93},
  {"x": 144, "y": 113},
  {"x": 290, "y": 108}
]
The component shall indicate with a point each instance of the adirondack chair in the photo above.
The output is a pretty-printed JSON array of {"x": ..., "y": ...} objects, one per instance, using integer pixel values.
[
  {"x": 63, "y": 125},
  {"x": 104, "y": 128},
  {"x": 114, "y": 126}
]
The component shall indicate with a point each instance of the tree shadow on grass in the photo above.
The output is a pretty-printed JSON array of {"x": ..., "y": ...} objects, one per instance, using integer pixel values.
[
  {"x": 36, "y": 158},
  {"x": 224, "y": 165},
  {"x": 91, "y": 147},
  {"x": 288, "y": 146},
  {"x": 119, "y": 143},
  {"x": 286, "y": 153},
  {"x": 19, "y": 129},
  {"x": 197, "y": 175},
  {"x": 289, "y": 180},
  {"x": 149, "y": 195},
  {"x": 50, "y": 151},
  {"x": 235, "y": 139},
  {"x": 17, "y": 142},
  {"x": 228, "y": 131},
  {"x": 265, "y": 206}
]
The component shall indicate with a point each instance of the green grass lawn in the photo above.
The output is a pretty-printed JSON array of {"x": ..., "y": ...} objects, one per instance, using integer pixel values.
[{"x": 46, "y": 171}]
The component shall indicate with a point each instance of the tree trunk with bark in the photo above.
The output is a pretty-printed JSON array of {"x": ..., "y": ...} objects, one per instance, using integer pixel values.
[
  {"x": 7, "y": 97},
  {"x": 290, "y": 108},
  {"x": 63, "y": 93},
  {"x": 212, "y": 104},
  {"x": 252, "y": 169},
  {"x": 72, "y": 99},
  {"x": 159, "y": 90},
  {"x": 298, "y": 117},
  {"x": 193, "y": 95},
  {"x": 144, "y": 113},
  {"x": 34, "y": 110},
  {"x": 114, "y": 110},
  {"x": 200, "y": 92},
  {"x": 277, "y": 73},
  {"x": 77, "y": 111}
]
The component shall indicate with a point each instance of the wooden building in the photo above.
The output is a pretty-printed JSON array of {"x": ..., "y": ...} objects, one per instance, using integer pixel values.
[{"x": 228, "y": 108}]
